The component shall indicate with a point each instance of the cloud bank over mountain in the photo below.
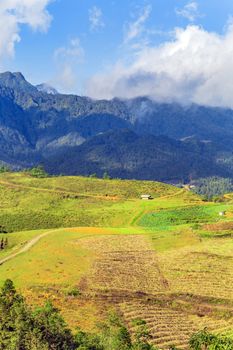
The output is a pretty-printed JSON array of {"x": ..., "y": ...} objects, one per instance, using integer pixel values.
[
  {"x": 188, "y": 64},
  {"x": 193, "y": 66}
]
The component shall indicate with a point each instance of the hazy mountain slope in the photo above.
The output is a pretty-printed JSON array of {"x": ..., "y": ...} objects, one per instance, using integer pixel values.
[
  {"x": 124, "y": 154},
  {"x": 176, "y": 121}
]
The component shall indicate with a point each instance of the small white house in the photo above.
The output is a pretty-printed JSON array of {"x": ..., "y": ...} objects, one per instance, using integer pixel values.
[
  {"x": 222, "y": 213},
  {"x": 146, "y": 197}
]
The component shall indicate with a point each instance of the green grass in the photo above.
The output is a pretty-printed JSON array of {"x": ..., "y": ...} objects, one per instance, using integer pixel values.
[
  {"x": 163, "y": 219},
  {"x": 29, "y": 204},
  {"x": 130, "y": 189},
  {"x": 17, "y": 240},
  {"x": 57, "y": 260},
  {"x": 183, "y": 236},
  {"x": 46, "y": 263}
]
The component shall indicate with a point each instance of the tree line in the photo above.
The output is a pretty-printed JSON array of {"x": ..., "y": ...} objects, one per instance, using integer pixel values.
[{"x": 212, "y": 188}]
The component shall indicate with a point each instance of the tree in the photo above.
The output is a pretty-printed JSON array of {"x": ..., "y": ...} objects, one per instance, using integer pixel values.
[
  {"x": 23, "y": 329},
  {"x": 38, "y": 172},
  {"x": 3, "y": 243},
  {"x": 142, "y": 336},
  {"x": 12, "y": 313},
  {"x": 114, "y": 335},
  {"x": 93, "y": 176},
  {"x": 106, "y": 176},
  {"x": 6, "y": 243},
  {"x": 87, "y": 341},
  {"x": 9, "y": 295},
  {"x": 2, "y": 229},
  {"x": 52, "y": 328},
  {"x": 4, "y": 169}
]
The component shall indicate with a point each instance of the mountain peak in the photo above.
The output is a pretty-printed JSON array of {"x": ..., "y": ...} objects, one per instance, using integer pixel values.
[
  {"x": 11, "y": 76},
  {"x": 19, "y": 75},
  {"x": 16, "y": 81}
]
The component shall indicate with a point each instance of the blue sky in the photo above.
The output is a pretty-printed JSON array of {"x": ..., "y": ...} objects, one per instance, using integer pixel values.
[{"x": 73, "y": 44}]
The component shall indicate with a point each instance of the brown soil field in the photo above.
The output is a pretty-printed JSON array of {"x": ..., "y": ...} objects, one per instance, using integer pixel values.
[{"x": 128, "y": 274}]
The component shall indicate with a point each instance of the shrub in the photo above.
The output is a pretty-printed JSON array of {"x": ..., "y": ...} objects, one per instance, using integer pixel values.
[
  {"x": 205, "y": 340},
  {"x": 73, "y": 292},
  {"x": 38, "y": 172}
]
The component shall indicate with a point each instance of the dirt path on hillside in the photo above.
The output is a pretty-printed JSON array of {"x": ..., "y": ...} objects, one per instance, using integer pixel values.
[
  {"x": 56, "y": 191},
  {"x": 174, "y": 194},
  {"x": 228, "y": 196},
  {"x": 26, "y": 247}
]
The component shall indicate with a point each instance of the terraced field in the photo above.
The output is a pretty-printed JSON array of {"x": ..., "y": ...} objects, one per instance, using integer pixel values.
[
  {"x": 170, "y": 327},
  {"x": 153, "y": 286}
]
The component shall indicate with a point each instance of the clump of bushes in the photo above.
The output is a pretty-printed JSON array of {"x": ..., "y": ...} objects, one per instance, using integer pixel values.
[
  {"x": 73, "y": 292},
  {"x": 4, "y": 169},
  {"x": 204, "y": 340},
  {"x": 38, "y": 172}
]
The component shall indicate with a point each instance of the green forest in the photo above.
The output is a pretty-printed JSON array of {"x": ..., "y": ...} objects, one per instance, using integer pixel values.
[{"x": 213, "y": 187}]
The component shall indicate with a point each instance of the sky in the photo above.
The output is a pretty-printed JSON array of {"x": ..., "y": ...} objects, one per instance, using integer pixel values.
[{"x": 168, "y": 50}]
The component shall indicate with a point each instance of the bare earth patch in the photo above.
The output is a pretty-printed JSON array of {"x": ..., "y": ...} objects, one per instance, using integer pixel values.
[{"x": 124, "y": 263}]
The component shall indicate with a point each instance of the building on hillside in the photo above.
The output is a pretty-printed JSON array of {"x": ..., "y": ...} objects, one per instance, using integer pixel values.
[
  {"x": 146, "y": 197},
  {"x": 222, "y": 213}
]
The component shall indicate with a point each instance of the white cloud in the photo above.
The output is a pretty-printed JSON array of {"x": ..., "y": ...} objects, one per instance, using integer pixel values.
[
  {"x": 73, "y": 51},
  {"x": 137, "y": 27},
  {"x": 96, "y": 18},
  {"x": 67, "y": 59},
  {"x": 190, "y": 11},
  {"x": 194, "y": 66},
  {"x": 66, "y": 79},
  {"x": 14, "y": 13}
]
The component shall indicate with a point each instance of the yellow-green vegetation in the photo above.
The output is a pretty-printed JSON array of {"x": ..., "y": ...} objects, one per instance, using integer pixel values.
[
  {"x": 168, "y": 261},
  {"x": 29, "y": 203}
]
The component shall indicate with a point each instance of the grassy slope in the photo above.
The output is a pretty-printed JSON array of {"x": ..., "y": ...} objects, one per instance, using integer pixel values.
[
  {"x": 181, "y": 228},
  {"x": 28, "y": 203}
]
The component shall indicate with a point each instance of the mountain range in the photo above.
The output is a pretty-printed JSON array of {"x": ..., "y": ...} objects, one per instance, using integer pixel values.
[{"x": 137, "y": 138}]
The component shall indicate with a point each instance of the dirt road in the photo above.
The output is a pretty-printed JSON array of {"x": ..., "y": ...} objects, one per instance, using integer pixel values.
[{"x": 26, "y": 247}]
